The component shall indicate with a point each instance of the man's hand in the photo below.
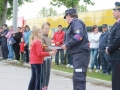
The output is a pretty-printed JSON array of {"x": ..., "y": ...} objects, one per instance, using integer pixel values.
[
  {"x": 64, "y": 47},
  {"x": 107, "y": 50}
]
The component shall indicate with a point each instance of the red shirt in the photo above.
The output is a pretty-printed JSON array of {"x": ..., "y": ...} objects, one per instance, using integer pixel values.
[
  {"x": 22, "y": 47},
  {"x": 36, "y": 53},
  {"x": 58, "y": 37}
]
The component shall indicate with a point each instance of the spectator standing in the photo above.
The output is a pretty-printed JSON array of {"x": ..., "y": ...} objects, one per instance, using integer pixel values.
[
  {"x": 104, "y": 58},
  {"x": 22, "y": 29},
  {"x": 69, "y": 57},
  {"x": 16, "y": 47},
  {"x": 26, "y": 36},
  {"x": 58, "y": 40},
  {"x": 22, "y": 49},
  {"x": 94, "y": 41},
  {"x": 36, "y": 60},
  {"x": 9, "y": 45},
  {"x": 4, "y": 42},
  {"x": 70, "y": 60}
]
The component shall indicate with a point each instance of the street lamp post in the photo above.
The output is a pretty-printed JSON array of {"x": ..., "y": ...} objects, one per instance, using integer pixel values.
[{"x": 15, "y": 14}]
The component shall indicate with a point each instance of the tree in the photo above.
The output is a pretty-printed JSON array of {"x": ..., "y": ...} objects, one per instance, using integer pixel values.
[
  {"x": 44, "y": 12},
  {"x": 52, "y": 12},
  {"x": 6, "y": 8},
  {"x": 82, "y": 8},
  {"x": 69, "y": 3}
]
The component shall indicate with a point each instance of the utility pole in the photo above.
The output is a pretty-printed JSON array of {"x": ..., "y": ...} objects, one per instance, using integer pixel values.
[{"x": 15, "y": 14}]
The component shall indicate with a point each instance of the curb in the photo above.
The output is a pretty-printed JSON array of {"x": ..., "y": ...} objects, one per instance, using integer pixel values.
[{"x": 88, "y": 79}]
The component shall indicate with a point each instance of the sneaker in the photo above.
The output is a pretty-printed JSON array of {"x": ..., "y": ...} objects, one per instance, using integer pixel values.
[
  {"x": 90, "y": 70},
  {"x": 97, "y": 70},
  {"x": 107, "y": 73},
  {"x": 15, "y": 60},
  {"x": 68, "y": 65},
  {"x": 71, "y": 66},
  {"x": 8, "y": 59}
]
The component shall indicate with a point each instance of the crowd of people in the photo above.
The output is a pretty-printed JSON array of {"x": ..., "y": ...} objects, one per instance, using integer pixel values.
[
  {"x": 33, "y": 46},
  {"x": 19, "y": 43},
  {"x": 14, "y": 43},
  {"x": 98, "y": 43}
]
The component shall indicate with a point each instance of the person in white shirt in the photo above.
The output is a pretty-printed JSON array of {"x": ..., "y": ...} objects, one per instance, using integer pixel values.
[{"x": 94, "y": 42}]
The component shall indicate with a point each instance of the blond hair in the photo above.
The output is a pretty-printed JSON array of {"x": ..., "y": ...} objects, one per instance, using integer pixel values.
[
  {"x": 34, "y": 35},
  {"x": 44, "y": 24}
]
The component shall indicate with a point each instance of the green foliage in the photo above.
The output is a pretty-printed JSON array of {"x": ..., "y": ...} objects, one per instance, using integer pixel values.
[
  {"x": 1, "y": 7},
  {"x": 69, "y": 3},
  {"x": 10, "y": 7},
  {"x": 82, "y": 8},
  {"x": 44, "y": 12}
]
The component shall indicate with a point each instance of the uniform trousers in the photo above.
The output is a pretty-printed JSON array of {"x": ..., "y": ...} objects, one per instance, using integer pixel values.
[
  {"x": 80, "y": 65},
  {"x": 115, "y": 74}
]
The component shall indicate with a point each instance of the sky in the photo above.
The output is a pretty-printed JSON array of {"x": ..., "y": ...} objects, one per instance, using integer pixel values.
[{"x": 30, "y": 10}]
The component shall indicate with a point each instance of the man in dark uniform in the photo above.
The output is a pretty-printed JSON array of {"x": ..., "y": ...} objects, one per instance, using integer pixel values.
[
  {"x": 76, "y": 42},
  {"x": 4, "y": 42},
  {"x": 104, "y": 58},
  {"x": 113, "y": 48}
]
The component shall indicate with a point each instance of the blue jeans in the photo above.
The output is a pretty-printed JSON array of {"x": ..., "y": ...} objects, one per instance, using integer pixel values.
[
  {"x": 10, "y": 49},
  {"x": 61, "y": 56},
  {"x": 94, "y": 53},
  {"x": 36, "y": 78},
  {"x": 69, "y": 58}
]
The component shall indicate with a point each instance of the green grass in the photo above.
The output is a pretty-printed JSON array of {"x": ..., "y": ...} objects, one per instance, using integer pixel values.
[{"x": 92, "y": 74}]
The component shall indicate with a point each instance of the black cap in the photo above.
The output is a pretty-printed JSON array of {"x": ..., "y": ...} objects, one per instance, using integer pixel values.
[
  {"x": 117, "y": 6},
  {"x": 4, "y": 25},
  {"x": 70, "y": 11},
  {"x": 104, "y": 26}
]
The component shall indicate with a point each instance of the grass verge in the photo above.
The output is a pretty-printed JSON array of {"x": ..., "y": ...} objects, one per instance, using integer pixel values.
[{"x": 92, "y": 74}]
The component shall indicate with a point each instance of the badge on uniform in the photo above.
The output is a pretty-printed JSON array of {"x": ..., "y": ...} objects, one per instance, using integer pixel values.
[
  {"x": 78, "y": 37},
  {"x": 77, "y": 31}
]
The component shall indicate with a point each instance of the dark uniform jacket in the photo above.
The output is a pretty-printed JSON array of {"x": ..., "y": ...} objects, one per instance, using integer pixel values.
[
  {"x": 103, "y": 41},
  {"x": 114, "y": 42},
  {"x": 74, "y": 46},
  {"x": 3, "y": 37}
]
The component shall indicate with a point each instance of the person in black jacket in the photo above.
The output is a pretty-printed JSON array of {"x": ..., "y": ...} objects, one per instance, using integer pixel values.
[
  {"x": 113, "y": 48},
  {"x": 104, "y": 58},
  {"x": 77, "y": 44},
  {"x": 4, "y": 42},
  {"x": 16, "y": 47}
]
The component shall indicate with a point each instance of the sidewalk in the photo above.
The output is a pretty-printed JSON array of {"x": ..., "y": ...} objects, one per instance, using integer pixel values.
[
  {"x": 88, "y": 79},
  {"x": 66, "y": 74}
]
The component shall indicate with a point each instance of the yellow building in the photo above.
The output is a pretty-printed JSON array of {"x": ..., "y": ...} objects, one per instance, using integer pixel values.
[{"x": 90, "y": 19}]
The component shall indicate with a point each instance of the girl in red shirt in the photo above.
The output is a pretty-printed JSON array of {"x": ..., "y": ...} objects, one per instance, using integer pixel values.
[
  {"x": 36, "y": 60},
  {"x": 22, "y": 49}
]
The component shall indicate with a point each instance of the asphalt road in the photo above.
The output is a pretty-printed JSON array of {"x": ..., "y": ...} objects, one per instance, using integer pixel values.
[{"x": 17, "y": 78}]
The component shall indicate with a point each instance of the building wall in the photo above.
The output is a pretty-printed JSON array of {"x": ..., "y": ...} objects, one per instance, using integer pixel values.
[{"x": 90, "y": 19}]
